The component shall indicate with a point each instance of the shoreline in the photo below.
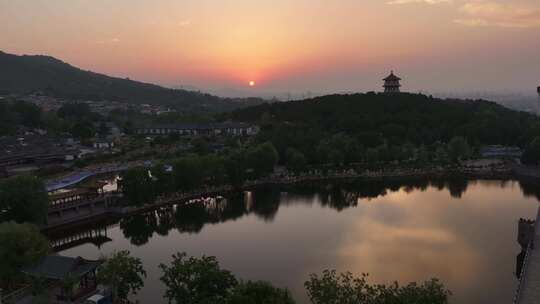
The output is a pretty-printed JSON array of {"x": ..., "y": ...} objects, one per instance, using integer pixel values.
[{"x": 508, "y": 173}]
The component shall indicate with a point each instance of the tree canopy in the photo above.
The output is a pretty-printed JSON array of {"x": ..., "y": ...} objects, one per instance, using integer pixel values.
[
  {"x": 23, "y": 199},
  {"x": 382, "y": 127},
  {"x": 192, "y": 280},
  {"x": 123, "y": 273},
  {"x": 531, "y": 155},
  {"x": 344, "y": 288},
  {"x": 137, "y": 186},
  {"x": 21, "y": 245},
  {"x": 259, "y": 292}
]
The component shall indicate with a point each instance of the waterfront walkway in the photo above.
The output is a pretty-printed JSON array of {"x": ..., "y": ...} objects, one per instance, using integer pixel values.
[
  {"x": 529, "y": 285},
  {"x": 79, "y": 176}
]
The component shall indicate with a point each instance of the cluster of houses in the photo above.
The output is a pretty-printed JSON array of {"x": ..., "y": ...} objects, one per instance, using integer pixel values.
[
  {"x": 214, "y": 129},
  {"x": 52, "y": 104},
  {"x": 22, "y": 154}
]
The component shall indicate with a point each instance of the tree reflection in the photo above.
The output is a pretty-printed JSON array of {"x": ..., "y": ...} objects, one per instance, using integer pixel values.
[
  {"x": 530, "y": 188},
  {"x": 138, "y": 228},
  {"x": 265, "y": 203},
  {"x": 192, "y": 217},
  {"x": 457, "y": 187}
]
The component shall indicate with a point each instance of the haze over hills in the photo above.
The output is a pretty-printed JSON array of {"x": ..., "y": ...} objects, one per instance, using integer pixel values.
[{"x": 26, "y": 74}]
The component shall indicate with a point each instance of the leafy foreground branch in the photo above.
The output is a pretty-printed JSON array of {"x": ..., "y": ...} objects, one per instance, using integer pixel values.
[
  {"x": 191, "y": 280},
  {"x": 344, "y": 288}
]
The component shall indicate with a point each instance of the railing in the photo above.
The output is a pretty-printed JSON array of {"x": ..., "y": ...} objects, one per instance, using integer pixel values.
[
  {"x": 83, "y": 202},
  {"x": 524, "y": 269},
  {"x": 523, "y": 273}
]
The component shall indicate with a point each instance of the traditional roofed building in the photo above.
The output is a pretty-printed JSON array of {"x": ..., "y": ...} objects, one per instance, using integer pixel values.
[
  {"x": 58, "y": 269},
  {"x": 391, "y": 83}
]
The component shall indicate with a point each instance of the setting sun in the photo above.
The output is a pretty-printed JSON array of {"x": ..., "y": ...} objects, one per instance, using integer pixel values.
[{"x": 252, "y": 83}]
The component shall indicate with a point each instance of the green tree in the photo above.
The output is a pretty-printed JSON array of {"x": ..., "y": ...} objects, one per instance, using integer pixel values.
[
  {"x": 21, "y": 245},
  {"x": 29, "y": 114},
  {"x": 200, "y": 146},
  {"x": 331, "y": 288},
  {"x": 259, "y": 293},
  {"x": 83, "y": 130},
  {"x": 124, "y": 273},
  {"x": 73, "y": 110},
  {"x": 328, "y": 153},
  {"x": 372, "y": 155},
  {"x": 188, "y": 173},
  {"x": 458, "y": 148},
  {"x": 196, "y": 280},
  {"x": 531, "y": 155},
  {"x": 24, "y": 199},
  {"x": 262, "y": 159},
  {"x": 295, "y": 160},
  {"x": 235, "y": 168},
  {"x": 137, "y": 186},
  {"x": 164, "y": 180}
]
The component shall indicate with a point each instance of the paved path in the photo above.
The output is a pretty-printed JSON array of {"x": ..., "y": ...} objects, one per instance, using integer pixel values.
[
  {"x": 79, "y": 176},
  {"x": 529, "y": 287}
]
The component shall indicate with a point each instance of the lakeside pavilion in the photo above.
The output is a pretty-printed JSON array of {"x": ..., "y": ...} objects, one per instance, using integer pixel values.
[{"x": 56, "y": 270}]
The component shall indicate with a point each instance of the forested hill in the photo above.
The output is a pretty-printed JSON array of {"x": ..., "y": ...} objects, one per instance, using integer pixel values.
[
  {"x": 372, "y": 120},
  {"x": 24, "y": 74}
]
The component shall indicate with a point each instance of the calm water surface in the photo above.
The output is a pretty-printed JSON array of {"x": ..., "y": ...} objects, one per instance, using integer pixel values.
[{"x": 461, "y": 232}]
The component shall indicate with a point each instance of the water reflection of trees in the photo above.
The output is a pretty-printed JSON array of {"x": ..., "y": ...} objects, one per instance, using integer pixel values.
[
  {"x": 530, "y": 188},
  {"x": 191, "y": 218}
]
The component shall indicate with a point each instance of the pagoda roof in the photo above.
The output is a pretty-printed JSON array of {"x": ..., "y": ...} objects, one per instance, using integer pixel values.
[
  {"x": 392, "y": 77},
  {"x": 56, "y": 267}
]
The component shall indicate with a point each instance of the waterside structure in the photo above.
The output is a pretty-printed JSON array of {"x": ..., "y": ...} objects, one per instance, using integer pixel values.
[{"x": 529, "y": 276}]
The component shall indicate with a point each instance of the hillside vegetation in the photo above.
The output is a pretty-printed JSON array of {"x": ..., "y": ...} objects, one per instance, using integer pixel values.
[
  {"x": 26, "y": 74},
  {"x": 357, "y": 127}
]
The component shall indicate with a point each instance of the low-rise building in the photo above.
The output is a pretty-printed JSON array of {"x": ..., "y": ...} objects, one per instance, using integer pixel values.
[
  {"x": 103, "y": 144},
  {"x": 58, "y": 269},
  {"x": 216, "y": 129},
  {"x": 498, "y": 151},
  {"x": 29, "y": 153}
]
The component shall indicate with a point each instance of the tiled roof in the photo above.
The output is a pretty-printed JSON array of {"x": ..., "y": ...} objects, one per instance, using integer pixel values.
[
  {"x": 58, "y": 267},
  {"x": 392, "y": 77}
]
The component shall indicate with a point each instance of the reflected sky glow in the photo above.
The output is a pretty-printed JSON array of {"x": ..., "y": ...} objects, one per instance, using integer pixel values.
[{"x": 405, "y": 235}]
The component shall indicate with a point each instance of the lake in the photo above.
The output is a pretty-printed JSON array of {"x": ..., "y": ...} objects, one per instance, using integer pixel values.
[{"x": 462, "y": 232}]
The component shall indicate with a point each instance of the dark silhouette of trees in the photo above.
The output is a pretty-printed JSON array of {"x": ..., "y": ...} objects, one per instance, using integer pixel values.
[
  {"x": 137, "y": 186},
  {"x": 22, "y": 245},
  {"x": 202, "y": 281},
  {"x": 192, "y": 280},
  {"x": 259, "y": 292},
  {"x": 23, "y": 199},
  {"x": 531, "y": 155},
  {"x": 379, "y": 127},
  {"x": 344, "y": 288},
  {"x": 123, "y": 273}
]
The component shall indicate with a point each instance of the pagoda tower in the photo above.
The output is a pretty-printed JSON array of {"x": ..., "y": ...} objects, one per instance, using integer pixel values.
[{"x": 391, "y": 83}]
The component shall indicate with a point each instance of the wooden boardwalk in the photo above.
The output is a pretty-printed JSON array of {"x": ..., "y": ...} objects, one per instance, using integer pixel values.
[{"x": 529, "y": 285}]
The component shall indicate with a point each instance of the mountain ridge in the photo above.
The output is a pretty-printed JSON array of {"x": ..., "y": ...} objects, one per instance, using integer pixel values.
[{"x": 22, "y": 74}]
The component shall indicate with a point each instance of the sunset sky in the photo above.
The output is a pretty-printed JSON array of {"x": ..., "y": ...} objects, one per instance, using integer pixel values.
[{"x": 287, "y": 45}]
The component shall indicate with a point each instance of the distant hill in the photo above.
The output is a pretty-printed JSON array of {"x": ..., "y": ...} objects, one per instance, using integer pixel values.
[
  {"x": 374, "y": 120},
  {"x": 25, "y": 74}
]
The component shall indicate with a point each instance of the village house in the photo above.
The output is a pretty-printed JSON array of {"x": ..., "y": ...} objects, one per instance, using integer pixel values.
[{"x": 217, "y": 129}]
